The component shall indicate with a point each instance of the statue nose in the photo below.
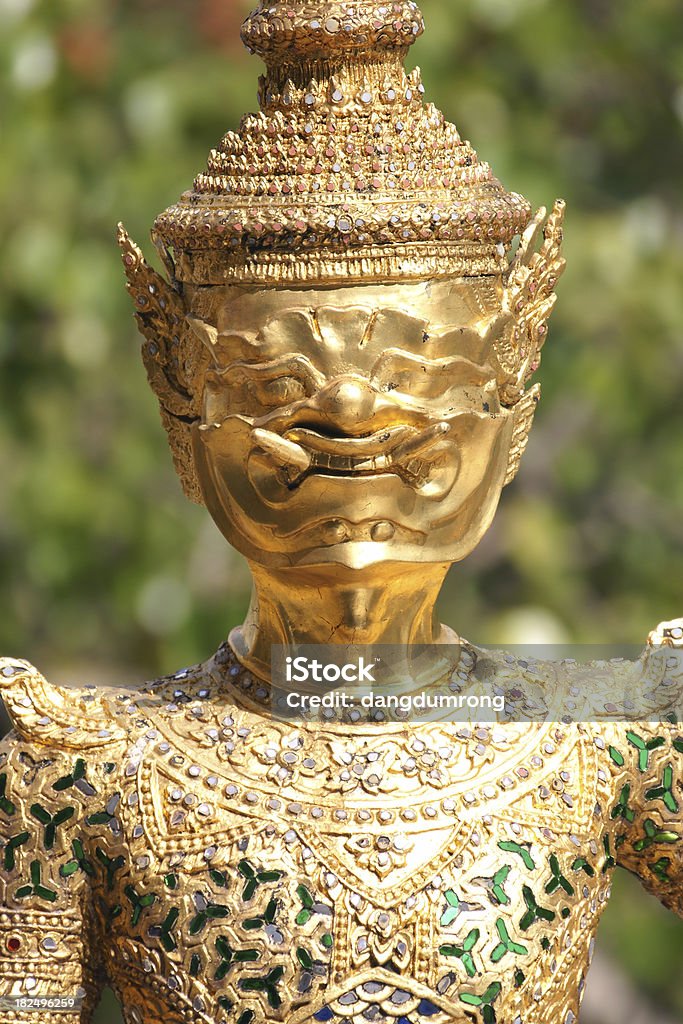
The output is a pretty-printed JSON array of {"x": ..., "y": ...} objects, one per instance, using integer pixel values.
[{"x": 350, "y": 405}]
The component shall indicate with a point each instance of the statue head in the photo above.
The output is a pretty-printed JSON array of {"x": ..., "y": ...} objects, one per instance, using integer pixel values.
[{"x": 342, "y": 357}]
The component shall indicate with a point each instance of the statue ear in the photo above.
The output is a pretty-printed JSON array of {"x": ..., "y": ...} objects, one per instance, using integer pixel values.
[
  {"x": 523, "y": 415},
  {"x": 528, "y": 300},
  {"x": 206, "y": 333},
  {"x": 172, "y": 358}
]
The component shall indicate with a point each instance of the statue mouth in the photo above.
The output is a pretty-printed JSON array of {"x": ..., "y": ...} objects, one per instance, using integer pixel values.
[{"x": 402, "y": 450}]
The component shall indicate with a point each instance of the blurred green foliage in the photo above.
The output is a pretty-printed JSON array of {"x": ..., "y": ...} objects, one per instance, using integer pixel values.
[{"x": 108, "y": 110}]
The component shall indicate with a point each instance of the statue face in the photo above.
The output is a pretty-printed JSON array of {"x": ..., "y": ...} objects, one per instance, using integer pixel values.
[{"x": 352, "y": 425}]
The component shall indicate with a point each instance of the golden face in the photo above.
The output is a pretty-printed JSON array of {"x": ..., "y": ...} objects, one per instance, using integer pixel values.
[{"x": 352, "y": 425}]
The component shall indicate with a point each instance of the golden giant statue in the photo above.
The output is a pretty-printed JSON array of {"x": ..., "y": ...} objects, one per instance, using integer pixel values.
[{"x": 342, "y": 355}]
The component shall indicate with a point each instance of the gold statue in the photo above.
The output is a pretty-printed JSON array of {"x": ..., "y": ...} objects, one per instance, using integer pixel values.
[{"x": 342, "y": 359}]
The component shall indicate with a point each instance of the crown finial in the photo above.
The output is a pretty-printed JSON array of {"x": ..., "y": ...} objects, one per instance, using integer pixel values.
[{"x": 304, "y": 30}]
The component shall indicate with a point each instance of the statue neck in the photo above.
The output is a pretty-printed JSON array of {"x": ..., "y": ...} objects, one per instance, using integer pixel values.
[{"x": 382, "y": 604}]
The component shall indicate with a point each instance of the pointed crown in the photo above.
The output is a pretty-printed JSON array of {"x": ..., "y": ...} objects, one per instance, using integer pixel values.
[{"x": 346, "y": 173}]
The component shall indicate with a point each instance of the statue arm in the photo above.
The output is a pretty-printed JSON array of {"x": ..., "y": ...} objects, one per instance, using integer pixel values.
[
  {"x": 47, "y": 919},
  {"x": 54, "y": 789},
  {"x": 647, "y": 760}
]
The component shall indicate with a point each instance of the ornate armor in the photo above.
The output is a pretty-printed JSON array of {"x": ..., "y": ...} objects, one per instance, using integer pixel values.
[{"x": 215, "y": 865}]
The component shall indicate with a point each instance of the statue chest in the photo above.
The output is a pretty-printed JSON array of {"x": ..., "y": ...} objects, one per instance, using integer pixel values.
[{"x": 259, "y": 886}]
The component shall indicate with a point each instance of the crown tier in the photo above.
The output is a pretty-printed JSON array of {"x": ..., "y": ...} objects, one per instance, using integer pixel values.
[{"x": 345, "y": 172}]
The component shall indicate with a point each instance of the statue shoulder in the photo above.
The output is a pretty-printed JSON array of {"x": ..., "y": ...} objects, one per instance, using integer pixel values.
[
  {"x": 647, "y": 687},
  {"x": 663, "y": 664},
  {"x": 70, "y": 718},
  {"x": 667, "y": 634}
]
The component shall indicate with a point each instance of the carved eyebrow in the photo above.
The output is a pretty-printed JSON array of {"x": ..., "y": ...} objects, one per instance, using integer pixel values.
[
  {"x": 291, "y": 363},
  {"x": 471, "y": 372}
]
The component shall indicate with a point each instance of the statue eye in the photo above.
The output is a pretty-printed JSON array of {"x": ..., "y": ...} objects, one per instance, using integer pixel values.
[{"x": 279, "y": 391}]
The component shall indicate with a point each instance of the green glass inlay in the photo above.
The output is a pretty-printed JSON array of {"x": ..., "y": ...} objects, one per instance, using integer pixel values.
[
  {"x": 644, "y": 748},
  {"x": 484, "y": 1001},
  {"x": 521, "y": 851},
  {"x": 255, "y": 878},
  {"x": 36, "y": 887},
  {"x": 464, "y": 952},
  {"x": 660, "y": 868},
  {"x": 79, "y": 861},
  {"x": 6, "y": 804},
  {"x": 266, "y": 985},
  {"x": 535, "y": 912},
  {"x": 581, "y": 864},
  {"x": 138, "y": 903},
  {"x": 268, "y": 917},
  {"x": 506, "y": 944},
  {"x": 11, "y": 846},
  {"x": 654, "y": 834},
  {"x": 664, "y": 792},
  {"x": 558, "y": 880},
  {"x": 499, "y": 880},
  {"x": 621, "y": 808},
  {"x": 110, "y": 864},
  {"x": 212, "y": 911},
  {"x": 304, "y": 958},
  {"x": 100, "y": 818},
  {"x": 610, "y": 862},
  {"x": 67, "y": 781},
  {"x": 51, "y": 822},
  {"x": 166, "y": 930},
  {"x": 616, "y": 756},
  {"x": 230, "y": 956},
  {"x": 306, "y": 898},
  {"x": 452, "y": 909}
]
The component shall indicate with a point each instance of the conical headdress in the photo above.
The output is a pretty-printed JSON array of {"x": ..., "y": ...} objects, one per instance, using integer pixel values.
[{"x": 345, "y": 173}]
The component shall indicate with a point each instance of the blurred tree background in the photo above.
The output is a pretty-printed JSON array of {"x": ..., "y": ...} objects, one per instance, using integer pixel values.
[{"x": 108, "y": 109}]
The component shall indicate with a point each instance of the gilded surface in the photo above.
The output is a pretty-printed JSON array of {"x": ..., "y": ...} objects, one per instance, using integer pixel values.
[{"x": 343, "y": 357}]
